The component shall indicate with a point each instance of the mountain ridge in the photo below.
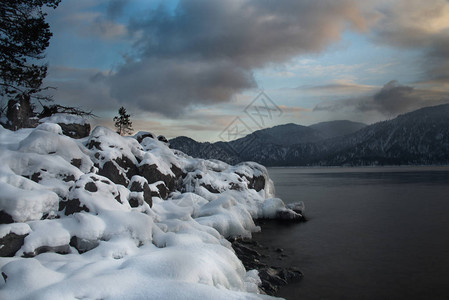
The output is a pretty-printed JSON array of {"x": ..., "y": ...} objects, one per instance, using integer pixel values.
[{"x": 418, "y": 137}]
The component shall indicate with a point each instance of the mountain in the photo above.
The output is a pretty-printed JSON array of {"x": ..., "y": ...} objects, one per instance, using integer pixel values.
[
  {"x": 419, "y": 137},
  {"x": 337, "y": 128}
]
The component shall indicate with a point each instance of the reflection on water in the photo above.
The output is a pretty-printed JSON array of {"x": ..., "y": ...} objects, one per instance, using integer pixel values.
[{"x": 374, "y": 233}]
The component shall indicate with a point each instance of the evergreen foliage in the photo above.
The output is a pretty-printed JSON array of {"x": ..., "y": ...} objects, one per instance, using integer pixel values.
[
  {"x": 123, "y": 122},
  {"x": 24, "y": 36}
]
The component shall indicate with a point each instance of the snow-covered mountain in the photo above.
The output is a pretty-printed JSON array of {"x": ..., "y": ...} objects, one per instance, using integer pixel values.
[
  {"x": 419, "y": 137},
  {"x": 111, "y": 217}
]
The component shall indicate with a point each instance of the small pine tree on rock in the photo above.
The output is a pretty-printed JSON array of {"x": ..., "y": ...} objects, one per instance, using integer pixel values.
[{"x": 122, "y": 122}]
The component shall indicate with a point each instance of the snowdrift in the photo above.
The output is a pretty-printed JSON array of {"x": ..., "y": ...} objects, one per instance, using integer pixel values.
[{"x": 111, "y": 217}]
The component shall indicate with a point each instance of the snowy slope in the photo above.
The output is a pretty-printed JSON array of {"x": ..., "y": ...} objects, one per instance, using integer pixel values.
[{"x": 111, "y": 217}]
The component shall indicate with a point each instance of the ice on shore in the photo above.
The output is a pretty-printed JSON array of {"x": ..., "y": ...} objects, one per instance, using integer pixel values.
[{"x": 107, "y": 217}]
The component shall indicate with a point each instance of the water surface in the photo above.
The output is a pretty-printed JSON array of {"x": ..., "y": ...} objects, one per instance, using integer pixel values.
[{"x": 373, "y": 233}]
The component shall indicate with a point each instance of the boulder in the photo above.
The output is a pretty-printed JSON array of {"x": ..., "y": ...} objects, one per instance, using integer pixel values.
[
  {"x": 74, "y": 130},
  {"x": 72, "y": 206},
  {"x": 10, "y": 244},
  {"x": 83, "y": 245}
]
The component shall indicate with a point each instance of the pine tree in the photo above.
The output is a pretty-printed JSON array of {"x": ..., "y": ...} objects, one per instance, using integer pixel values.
[
  {"x": 122, "y": 122},
  {"x": 24, "y": 36}
]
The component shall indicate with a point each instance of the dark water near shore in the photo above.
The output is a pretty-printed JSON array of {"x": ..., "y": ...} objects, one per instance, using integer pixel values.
[{"x": 373, "y": 233}]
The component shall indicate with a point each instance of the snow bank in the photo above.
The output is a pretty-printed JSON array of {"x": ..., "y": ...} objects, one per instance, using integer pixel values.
[{"x": 124, "y": 218}]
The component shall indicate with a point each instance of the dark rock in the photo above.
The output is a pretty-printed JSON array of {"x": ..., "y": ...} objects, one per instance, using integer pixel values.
[
  {"x": 94, "y": 144},
  {"x": 36, "y": 177},
  {"x": 256, "y": 256},
  {"x": 134, "y": 202},
  {"x": 91, "y": 187},
  {"x": 163, "y": 139},
  {"x": 63, "y": 249},
  {"x": 142, "y": 135},
  {"x": 4, "y": 276},
  {"x": 118, "y": 198},
  {"x": 257, "y": 182},
  {"x": 152, "y": 174},
  {"x": 271, "y": 280},
  {"x": 10, "y": 244},
  {"x": 163, "y": 191},
  {"x": 137, "y": 186},
  {"x": 210, "y": 188},
  {"x": 76, "y": 162},
  {"x": 147, "y": 197},
  {"x": 68, "y": 178},
  {"x": 111, "y": 171},
  {"x": 72, "y": 206},
  {"x": 75, "y": 131},
  {"x": 83, "y": 245},
  {"x": 289, "y": 216},
  {"x": 235, "y": 186},
  {"x": 5, "y": 218}
]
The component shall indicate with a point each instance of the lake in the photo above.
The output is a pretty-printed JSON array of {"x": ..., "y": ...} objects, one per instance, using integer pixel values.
[{"x": 373, "y": 233}]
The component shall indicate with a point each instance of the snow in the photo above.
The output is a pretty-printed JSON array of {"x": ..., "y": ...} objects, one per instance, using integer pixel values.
[
  {"x": 61, "y": 118},
  {"x": 175, "y": 249}
]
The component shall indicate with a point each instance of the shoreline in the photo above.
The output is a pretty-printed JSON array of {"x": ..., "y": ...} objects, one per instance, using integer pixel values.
[{"x": 269, "y": 261}]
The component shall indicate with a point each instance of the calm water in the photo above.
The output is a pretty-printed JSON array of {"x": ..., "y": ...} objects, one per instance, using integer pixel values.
[{"x": 373, "y": 233}]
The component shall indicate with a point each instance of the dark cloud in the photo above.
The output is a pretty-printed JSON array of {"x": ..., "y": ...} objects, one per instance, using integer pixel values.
[
  {"x": 85, "y": 88},
  {"x": 391, "y": 100},
  {"x": 394, "y": 99},
  {"x": 168, "y": 86},
  {"x": 116, "y": 8},
  {"x": 205, "y": 51}
]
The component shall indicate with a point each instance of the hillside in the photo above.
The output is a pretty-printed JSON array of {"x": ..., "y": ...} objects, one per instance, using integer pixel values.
[
  {"x": 112, "y": 217},
  {"x": 419, "y": 137}
]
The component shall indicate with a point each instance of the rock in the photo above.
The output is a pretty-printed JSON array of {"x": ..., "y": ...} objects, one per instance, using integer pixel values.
[
  {"x": 152, "y": 174},
  {"x": 91, "y": 187},
  {"x": 76, "y": 162},
  {"x": 5, "y": 218},
  {"x": 83, "y": 245},
  {"x": 135, "y": 202},
  {"x": 72, "y": 206},
  {"x": 210, "y": 188},
  {"x": 297, "y": 207},
  {"x": 253, "y": 255},
  {"x": 111, "y": 171},
  {"x": 10, "y": 244},
  {"x": 163, "y": 191},
  {"x": 286, "y": 214},
  {"x": 257, "y": 182},
  {"x": 163, "y": 139},
  {"x": 140, "y": 184},
  {"x": 141, "y": 135},
  {"x": 62, "y": 249},
  {"x": 76, "y": 131}
]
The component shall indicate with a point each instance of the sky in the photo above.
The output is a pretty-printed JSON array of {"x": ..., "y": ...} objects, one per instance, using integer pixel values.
[{"x": 219, "y": 69}]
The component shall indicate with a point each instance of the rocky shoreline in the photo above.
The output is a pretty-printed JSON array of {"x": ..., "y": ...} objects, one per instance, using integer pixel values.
[{"x": 267, "y": 260}]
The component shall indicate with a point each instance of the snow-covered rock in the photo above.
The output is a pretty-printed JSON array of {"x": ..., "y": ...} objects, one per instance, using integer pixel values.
[
  {"x": 72, "y": 125},
  {"x": 124, "y": 217}
]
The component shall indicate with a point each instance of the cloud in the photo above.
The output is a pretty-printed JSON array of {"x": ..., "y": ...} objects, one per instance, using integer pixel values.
[
  {"x": 85, "y": 88},
  {"x": 205, "y": 51},
  {"x": 392, "y": 99},
  {"x": 416, "y": 24}
]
